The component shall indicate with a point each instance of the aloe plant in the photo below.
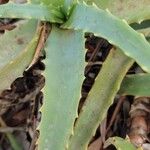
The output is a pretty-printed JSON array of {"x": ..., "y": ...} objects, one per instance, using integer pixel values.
[
  {"x": 137, "y": 85},
  {"x": 65, "y": 52}
]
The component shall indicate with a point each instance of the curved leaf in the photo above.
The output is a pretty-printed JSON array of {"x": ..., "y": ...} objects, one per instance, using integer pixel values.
[
  {"x": 137, "y": 85},
  {"x": 116, "y": 31},
  {"x": 130, "y": 10},
  {"x": 12, "y": 43},
  {"x": 100, "y": 98},
  {"x": 119, "y": 143},
  {"x": 64, "y": 76},
  {"x": 14, "y": 66},
  {"x": 65, "y": 5},
  {"x": 31, "y": 11}
]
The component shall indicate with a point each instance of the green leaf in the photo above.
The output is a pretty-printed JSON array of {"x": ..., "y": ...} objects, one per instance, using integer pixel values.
[
  {"x": 137, "y": 85},
  {"x": 31, "y": 11},
  {"x": 100, "y": 3},
  {"x": 100, "y": 98},
  {"x": 119, "y": 143},
  {"x": 68, "y": 5},
  {"x": 16, "y": 57},
  {"x": 130, "y": 10},
  {"x": 12, "y": 43},
  {"x": 64, "y": 76},
  {"x": 64, "y": 5},
  {"x": 13, "y": 141},
  {"x": 116, "y": 31}
]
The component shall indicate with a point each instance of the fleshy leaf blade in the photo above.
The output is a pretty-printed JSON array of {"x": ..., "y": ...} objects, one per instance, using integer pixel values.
[
  {"x": 64, "y": 77},
  {"x": 20, "y": 37},
  {"x": 17, "y": 61},
  {"x": 130, "y": 10},
  {"x": 100, "y": 98},
  {"x": 31, "y": 11},
  {"x": 137, "y": 85},
  {"x": 63, "y": 5},
  {"x": 116, "y": 31}
]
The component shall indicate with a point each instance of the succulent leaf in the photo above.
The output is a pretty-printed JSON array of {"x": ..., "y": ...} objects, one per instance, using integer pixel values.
[
  {"x": 130, "y": 10},
  {"x": 31, "y": 11},
  {"x": 116, "y": 31},
  {"x": 16, "y": 57},
  {"x": 64, "y": 77},
  {"x": 65, "y": 5},
  {"x": 100, "y": 98},
  {"x": 137, "y": 85}
]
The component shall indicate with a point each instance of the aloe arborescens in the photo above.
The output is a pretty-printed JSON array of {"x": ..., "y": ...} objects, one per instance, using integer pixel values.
[{"x": 65, "y": 64}]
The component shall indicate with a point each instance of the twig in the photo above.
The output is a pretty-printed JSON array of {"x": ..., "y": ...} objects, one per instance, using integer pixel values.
[
  {"x": 115, "y": 112},
  {"x": 94, "y": 54}
]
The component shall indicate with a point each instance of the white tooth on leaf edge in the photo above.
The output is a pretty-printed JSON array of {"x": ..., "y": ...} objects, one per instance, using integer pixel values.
[
  {"x": 93, "y": 4},
  {"x": 67, "y": 146},
  {"x": 72, "y": 132},
  {"x": 107, "y": 10},
  {"x": 140, "y": 21},
  {"x": 146, "y": 69},
  {"x": 125, "y": 21},
  {"x": 76, "y": 115},
  {"x": 85, "y": 3},
  {"x": 111, "y": 42},
  {"x": 142, "y": 35},
  {"x": 96, "y": 34}
]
